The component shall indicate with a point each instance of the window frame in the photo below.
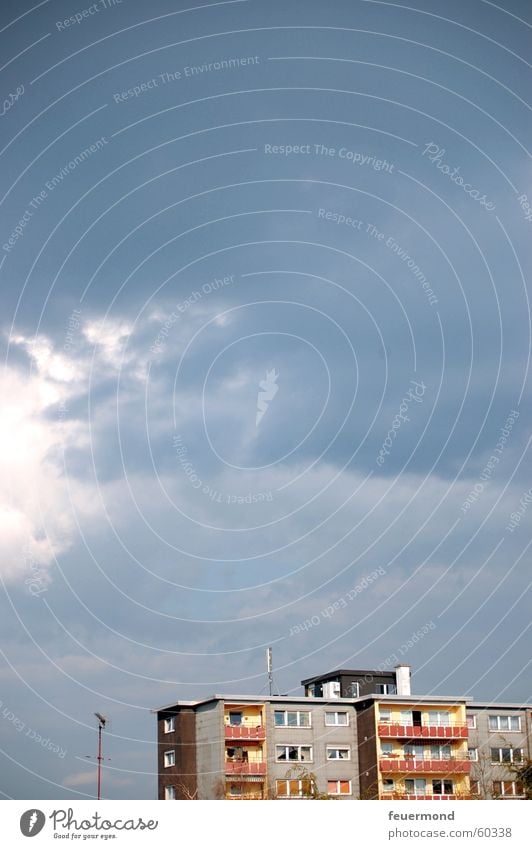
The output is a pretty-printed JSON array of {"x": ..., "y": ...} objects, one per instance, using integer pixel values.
[
  {"x": 414, "y": 781},
  {"x": 169, "y": 755},
  {"x": 386, "y": 689},
  {"x": 439, "y": 723},
  {"x": 337, "y": 748},
  {"x": 298, "y": 747},
  {"x": 169, "y": 724},
  {"x": 509, "y": 716},
  {"x": 301, "y": 794},
  {"x": 504, "y": 785},
  {"x": 440, "y": 756},
  {"x": 339, "y": 782},
  {"x": 299, "y": 714},
  {"x": 443, "y": 782},
  {"x": 511, "y": 749},
  {"x": 336, "y": 714},
  {"x": 474, "y": 750},
  {"x": 167, "y": 796},
  {"x": 471, "y": 720}
]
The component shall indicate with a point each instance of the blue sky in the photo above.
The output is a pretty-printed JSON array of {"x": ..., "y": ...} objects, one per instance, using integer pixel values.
[{"x": 196, "y": 199}]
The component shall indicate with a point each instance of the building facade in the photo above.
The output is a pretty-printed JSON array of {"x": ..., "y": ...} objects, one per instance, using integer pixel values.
[
  {"x": 355, "y": 734},
  {"x": 500, "y": 740},
  {"x": 241, "y": 747},
  {"x": 413, "y": 748}
]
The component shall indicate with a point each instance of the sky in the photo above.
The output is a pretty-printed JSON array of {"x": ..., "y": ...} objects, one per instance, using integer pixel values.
[{"x": 265, "y": 329}]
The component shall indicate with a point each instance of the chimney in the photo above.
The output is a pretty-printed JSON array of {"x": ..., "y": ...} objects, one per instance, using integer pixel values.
[{"x": 402, "y": 679}]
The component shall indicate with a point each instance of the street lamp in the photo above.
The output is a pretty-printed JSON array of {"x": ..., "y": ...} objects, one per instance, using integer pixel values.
[{"x": 101, "y": 725}]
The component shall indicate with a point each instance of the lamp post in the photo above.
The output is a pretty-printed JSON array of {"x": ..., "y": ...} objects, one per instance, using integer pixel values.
[{"x": 101, "y": 725}]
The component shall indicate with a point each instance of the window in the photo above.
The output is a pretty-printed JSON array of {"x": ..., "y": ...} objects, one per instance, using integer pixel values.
[
  {"x": 472, "y": 754},
  {"x": 169, "y": 792},
  {"x": 294, "y": 788},
  {"x": 336, "y": 717},
  {"x": 472, "y": 720},
  {"x": 235, "y": 717},
  {"x": 406, "y": 717},
  {"x": 439, "y": 717},
  {"x": 386, "y": 689},
  {"x": 386, "y": 750},
  {"x": 507, "y": 788},
  {"x": 169, "y": 724},
  {"x": 335, "y": 753},
  {"x": 440, "y": 753},
  {"x": 339, "y": 788},
  {"x": 353, "y": 690},
  {"x": 442, "y": 787},
  {"x": 415, "y": 786},
  {"x": 236, "y": 753},
  {"x": 385, "y": 715},
  {"x": 505, "y": 723},
  {"x": 414, "y": 751},
  {"x": 388, "y": 785},
  {"x": 235, "y": 790},
  {"x": 474, "y": 787},
  {"x": 169, "y": 758},
  {"x": 293, "y": 753},
  {"x": 506, "y": 756},
  {"x": 292, "y": 718}
]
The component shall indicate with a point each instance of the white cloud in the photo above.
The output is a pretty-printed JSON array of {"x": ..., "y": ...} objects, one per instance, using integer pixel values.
[
  {"x": 110, "y": 337},
  {"x": 36, "y": 502}
]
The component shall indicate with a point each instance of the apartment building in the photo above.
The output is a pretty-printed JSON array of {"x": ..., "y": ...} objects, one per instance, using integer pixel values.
[
  {"x": 245, "y": 747},
  {"x": 355, "y": 734},
  {"x": 500, "y": 739},
  {"x": 409, "y": 747}
]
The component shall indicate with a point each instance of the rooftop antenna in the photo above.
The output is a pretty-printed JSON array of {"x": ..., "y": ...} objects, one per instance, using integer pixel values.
[{"x": 269, "y": 661}]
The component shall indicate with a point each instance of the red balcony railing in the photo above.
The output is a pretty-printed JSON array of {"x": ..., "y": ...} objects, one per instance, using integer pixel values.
[
  {"x": 245, "y": 732},
  {"x": 442, "y": 766},
  {"x": 421, "y": 797},
  {"x": 245, "y": 768},
  {"x": 428, "y": 732}
]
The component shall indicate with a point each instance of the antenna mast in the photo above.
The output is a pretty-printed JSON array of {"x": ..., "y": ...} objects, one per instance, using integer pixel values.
[{"x": 269, "y": 660}]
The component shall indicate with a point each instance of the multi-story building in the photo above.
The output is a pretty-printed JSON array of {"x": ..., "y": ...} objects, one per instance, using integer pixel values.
[
  {"x": 353, "y": 683},
  {"x": 354, "y": 734},
  {"x": 500, "y": 740},
  {"x": 246, "y": 747},
  {"x": 409, "y": 747}
]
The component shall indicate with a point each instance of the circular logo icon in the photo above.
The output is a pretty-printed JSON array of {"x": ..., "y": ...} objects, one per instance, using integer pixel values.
[{"x": 32, "y": 822}]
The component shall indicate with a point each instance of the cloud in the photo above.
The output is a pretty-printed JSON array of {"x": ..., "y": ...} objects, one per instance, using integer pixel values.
[
  {"x": 38, "y": 502},
  {"x": 109, "y": 338}
]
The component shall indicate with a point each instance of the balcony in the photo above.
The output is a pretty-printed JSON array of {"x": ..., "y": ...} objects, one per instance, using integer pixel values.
[
  {"x": 245, "y": 768},
  {"x": 421, "y": 797},
  {"x": 441, "y": 766},
  {"x": 397, "y": 731},
  {"x": 245, "y": 731}
]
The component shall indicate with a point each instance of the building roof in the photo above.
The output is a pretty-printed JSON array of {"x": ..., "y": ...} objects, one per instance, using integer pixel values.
[
  {"x": 372, "y": 673},
  {"x": 500, "y": 705},
  {"x": 240, "y": 699},
  {"x": 310, "y": 700}
]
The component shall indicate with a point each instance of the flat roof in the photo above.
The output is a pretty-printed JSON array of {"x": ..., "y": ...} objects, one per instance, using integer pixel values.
[
  {"x": 239, "y": 699},
  {"x": 501, "y": 705},
  {"x": 309, "y": 700},
  {"x": 355, "y": 672}
]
